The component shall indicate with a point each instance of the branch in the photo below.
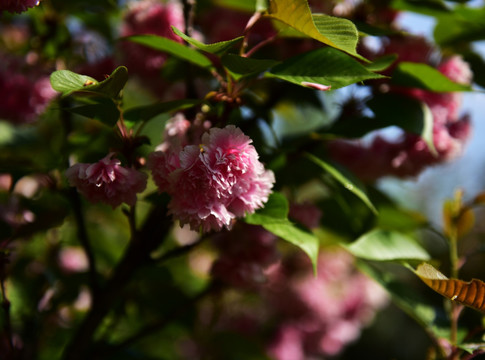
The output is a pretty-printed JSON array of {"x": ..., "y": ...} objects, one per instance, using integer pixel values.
[{"x": 136, "y": 255}]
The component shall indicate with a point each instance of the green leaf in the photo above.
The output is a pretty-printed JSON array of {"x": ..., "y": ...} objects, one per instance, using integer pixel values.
[
  {"x": 274, "y": 218},
  {"x": 335, "y": 32},
  {"x": 68, "y": 82},
  {"x": 386, "y": 245},
  {"x": 147, "y": 112},
  {"x": 325, "y": 66},
  {"x": 261, "y": 5},
  {"x": 425, "y": 7},
  {"x": 218, "y": 48},
  {"x": 422, "y": 76},
  {"x": 464, "y": 24},
  {"x": 242, "y": 66},
  {"x": 102, "y": 109},
  {"x": 353, "y": 186},
  {"x": 275, "y": 210},
  {"x": 173, "y": 48},
  {"x": 305, "y": 240},
  {"x": 413, "y": 116},
  {"x": 381, "y": 63},
  {"x": 113, "y": 84}
]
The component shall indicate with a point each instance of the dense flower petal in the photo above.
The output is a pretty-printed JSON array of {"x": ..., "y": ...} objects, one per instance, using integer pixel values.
[
  {"x": 215, "y": 182},
  {"x": 107, "y": 181}
]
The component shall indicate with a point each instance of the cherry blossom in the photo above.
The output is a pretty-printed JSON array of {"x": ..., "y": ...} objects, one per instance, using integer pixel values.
[{"x": 107, "y": 181}]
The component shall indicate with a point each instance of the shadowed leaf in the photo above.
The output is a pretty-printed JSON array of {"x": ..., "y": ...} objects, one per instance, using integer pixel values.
[{"x": 215, "y": 48}]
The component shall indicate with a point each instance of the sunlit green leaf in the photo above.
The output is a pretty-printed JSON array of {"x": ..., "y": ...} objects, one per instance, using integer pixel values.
[
  {"x": 335, "y": 32},
  {"x": 386, "y": 245},
  {"x": 68, "y": 82},
  {"x": 325, "y": 66}
]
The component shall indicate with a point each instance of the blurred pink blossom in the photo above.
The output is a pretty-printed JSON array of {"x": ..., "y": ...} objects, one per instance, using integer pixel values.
[
  {"x": 73, "y": 259},
  {"x": 410, "y": 154},
  {"x": 107, "y": 181},
  {"x": 306, "y": 214},
  {"x": 17, "y": 6},
  {"x": 149, "y": 17},
  {"x": 245, "y": 253},
  {"x": 320, "y": 315},
  {"x": 25, "y": 93},
  {"x": 214, "y": 182}
]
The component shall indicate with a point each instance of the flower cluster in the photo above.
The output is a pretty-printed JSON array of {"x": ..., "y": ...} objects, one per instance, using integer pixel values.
[
  {"x": 213, "y": 182},
  {"x": 17, "y": 6},
  {"x": 107, "y": 181},
  {"x": 410, "y": 154}
]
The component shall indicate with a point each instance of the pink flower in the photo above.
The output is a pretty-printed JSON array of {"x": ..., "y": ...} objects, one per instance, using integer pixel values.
[
  {"x": 17, "y": 6},
  {"x": 107, "y": 181},
  {"x": 456, "y": 69},
  {"x": 149, "y": 17},
  {"x": 214, "y": 182},
  {"x": 306, "y": 214},
  {"x": 288, "y": 344}
]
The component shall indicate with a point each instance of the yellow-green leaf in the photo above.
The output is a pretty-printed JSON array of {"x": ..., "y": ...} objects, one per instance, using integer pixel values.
[{"x": 335, "y": 32}]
